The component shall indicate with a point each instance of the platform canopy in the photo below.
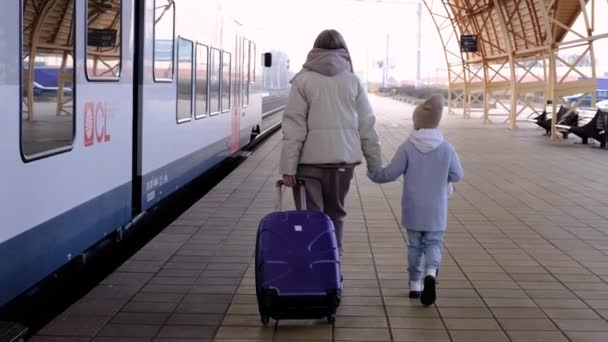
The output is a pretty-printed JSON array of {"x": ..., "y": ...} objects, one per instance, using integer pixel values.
[{"x": 505, "y": 55}]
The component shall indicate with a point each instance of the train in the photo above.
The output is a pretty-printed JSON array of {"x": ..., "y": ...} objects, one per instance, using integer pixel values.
[{"x": 111, "y": 106}]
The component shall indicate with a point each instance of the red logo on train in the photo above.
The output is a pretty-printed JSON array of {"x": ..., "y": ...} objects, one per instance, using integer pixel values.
[{"x": 95, "y": 123}]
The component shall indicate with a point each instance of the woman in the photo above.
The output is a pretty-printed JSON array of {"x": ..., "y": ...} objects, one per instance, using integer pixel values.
[{"x": 327, "y": 122}]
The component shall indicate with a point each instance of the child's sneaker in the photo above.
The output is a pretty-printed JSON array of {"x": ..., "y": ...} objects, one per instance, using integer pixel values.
[
  {"x": 415, "y": 289},
  {"x": 428, "y": 295}
]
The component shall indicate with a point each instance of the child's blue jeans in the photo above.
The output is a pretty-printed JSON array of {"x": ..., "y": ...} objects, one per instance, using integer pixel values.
[{"x": 428, "y": 244}]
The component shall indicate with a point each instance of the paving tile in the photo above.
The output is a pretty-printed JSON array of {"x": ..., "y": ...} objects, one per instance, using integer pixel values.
[
  {"x": 571, "y": 313},
  {"x": 66, "y": 325},
  {"x": 361, "y": 334},
  {"x": 600, "y": 304},
  {"x": 407, "y": 335},
  {"x": 587, "y": 336},
  {"x": 502, "y": 293},
  {"x": 149, "y": 307},
  {"x": 510, "y": 302},
  {"x": 536, "y": 336},
  {"x": 481, "y": 312},
  {"x": 357, "y": 310},
  {"x": 361, "y": 322},
  {"x": 116, "y": 292},
  {"x": 244, "y": 340},
  {"x": 187, "y": 331},
  {"x": 478, "y": 336},
  {"x": 129, "y": 330},
  {"x": 523, "y": 313},
  {"x": 44, "y": 338},
  {"x": 304, "y": 330},
  {"x": 195, "y": 319},
  {"x": 245, "y": 332},
  {"x": 95, "y": 307},
  {"x": 416, "y": 323},
  {"x": 202, "y": 308},
  {"x": 204, "y": 298},
  {"x": 460, "y": 302},
  {"x": 158, "y": 297},
  {"x": 561, "y": 303},
  {"x": 363, "y": 300},
  {"x": 245, "y": 320},
  {"x": 145, "y": 318},
  {"x": 243, "y": 309},
  {"x": 530, "y": 324},
  {"x": 550, "y": 294},
  {"x": 471, "y": 324},
  {"x": 121, "y": 339},
  {"x": 582, "y": 324}
]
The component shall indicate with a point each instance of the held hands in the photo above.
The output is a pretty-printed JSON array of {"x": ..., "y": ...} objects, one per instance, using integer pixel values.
[
  {"x": 451, "y": 189},
  {"x": 289, "y": 180}
]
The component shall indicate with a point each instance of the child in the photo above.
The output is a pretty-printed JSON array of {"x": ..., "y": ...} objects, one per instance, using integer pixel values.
[{"x": 428, "y": 164}]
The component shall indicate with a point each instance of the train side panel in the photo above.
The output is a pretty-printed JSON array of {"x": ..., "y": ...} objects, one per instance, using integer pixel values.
[
  {"x": 179, "y": 139},
  {"x": 65, "y": 163}
]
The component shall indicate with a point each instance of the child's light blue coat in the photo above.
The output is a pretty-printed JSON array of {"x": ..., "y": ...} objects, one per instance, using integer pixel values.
[{"x": 427, "y": 163}]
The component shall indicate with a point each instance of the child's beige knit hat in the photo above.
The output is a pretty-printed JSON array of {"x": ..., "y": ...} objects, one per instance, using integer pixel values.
[{"x": 428, "y": 114}]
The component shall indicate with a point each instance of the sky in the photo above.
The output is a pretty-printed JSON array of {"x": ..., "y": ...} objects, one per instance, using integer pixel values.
[{"x": 293, "y": 25}]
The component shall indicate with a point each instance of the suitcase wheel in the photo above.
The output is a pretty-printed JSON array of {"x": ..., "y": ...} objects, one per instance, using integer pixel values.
[
  {"x": 331, "y": 319},
  {"x": 334, "y": 298},
  {"x": 265, "y": 319}
]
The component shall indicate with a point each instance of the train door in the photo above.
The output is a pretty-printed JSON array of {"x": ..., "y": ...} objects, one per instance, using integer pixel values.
[{"x": 238, "y": 96}]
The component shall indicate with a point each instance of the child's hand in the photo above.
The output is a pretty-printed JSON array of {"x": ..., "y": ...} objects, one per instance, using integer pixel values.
[
  {"x": 371, "y": 174},
  {"x": 450, "y": 189}
]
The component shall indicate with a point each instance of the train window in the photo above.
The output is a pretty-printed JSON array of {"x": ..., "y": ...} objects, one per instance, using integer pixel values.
[
  {"x": 214, "y": 81},
  {"x": 164, "y": 30},
  {"x": 47, "y": 78},
  {"x": 184, "y": 79},
  {"x": 202, "y": 70},
  {"x": 103, "y": 39},
  {"x": 226, "y": 78}
]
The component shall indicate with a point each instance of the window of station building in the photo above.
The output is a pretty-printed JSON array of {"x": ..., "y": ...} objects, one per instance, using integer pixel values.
[
  {"x": 202, "y": 79},
  {"x": 214, "y": 81},
  {"x": 226, "y": 80},
  {"x": 103, "y": 39},
  {"x": 164, "y": 31},
  {"x": 47, "y": 78},
  {"x": 185, "y": 50}
]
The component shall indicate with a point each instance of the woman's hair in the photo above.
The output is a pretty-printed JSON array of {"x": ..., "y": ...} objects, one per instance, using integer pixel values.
[{"x": 332, "y": 40}]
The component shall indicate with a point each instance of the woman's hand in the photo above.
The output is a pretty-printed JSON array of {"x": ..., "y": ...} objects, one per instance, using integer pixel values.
[{"x": 289, "y": 181}]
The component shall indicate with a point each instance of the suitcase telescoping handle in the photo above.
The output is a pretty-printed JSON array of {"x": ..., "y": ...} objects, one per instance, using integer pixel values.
[{"x": 300, "y": 184}]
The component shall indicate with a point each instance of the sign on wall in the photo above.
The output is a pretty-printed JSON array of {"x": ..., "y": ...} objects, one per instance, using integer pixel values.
[{"x": 468, "y": 43}]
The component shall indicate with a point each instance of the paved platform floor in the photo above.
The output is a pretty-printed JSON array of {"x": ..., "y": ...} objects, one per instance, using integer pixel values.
[{"x": 526, "y": 254}]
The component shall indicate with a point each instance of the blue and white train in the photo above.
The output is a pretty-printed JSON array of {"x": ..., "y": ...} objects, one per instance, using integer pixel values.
[{"x": 108, "y": 107}]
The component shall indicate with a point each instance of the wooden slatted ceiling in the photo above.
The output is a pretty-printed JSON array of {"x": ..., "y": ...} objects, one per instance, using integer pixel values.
[
  {"x": 56, "y": 23},
  {"x": 567, "y": 12},
  {"x": 525, "y": 27}
]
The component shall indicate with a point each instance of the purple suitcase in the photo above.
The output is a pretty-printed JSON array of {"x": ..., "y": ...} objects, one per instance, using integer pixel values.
[{"x": 297, "y": 264}]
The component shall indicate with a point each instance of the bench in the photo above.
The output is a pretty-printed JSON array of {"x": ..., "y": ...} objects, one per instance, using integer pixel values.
[
  {"x": 565, "y": 117},
  {"x": 588, "y": 130}
]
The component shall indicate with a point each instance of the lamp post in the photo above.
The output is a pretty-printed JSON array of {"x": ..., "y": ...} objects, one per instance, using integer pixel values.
[{"x": 419, "y": 41}]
